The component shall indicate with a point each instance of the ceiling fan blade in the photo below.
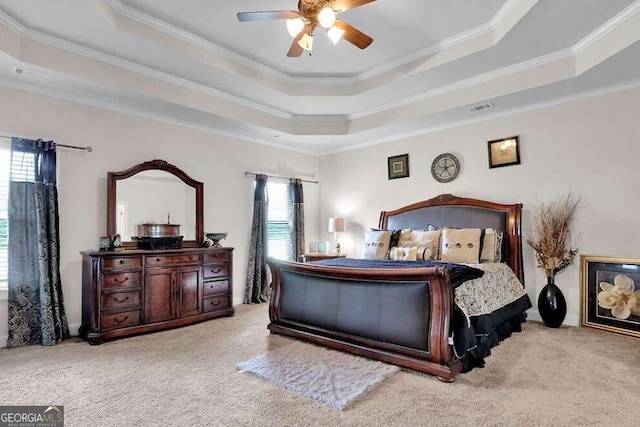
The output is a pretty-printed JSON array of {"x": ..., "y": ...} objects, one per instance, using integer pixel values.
[
  {"x": 267, "y": 15},
  {"x": 296, "y": 49},
  {"x": 344, "y": 5},
  {"x": 353, "y": 35}
]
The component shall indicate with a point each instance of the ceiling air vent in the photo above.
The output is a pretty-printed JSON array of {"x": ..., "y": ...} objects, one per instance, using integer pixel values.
[
  {"x": 481, "y": 107},
  {"x": 32, "y": 75}
]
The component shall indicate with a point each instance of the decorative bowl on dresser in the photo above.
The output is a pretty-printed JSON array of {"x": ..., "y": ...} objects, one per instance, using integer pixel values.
[{"x": 137, "y": 290}]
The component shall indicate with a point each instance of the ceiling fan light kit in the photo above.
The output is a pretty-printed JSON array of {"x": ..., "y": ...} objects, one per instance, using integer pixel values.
[
  {"x": 294, "y": 26},
  {"x": 310, "y": 15},
  {"x": 335, "y": 34},
  {"x": 326, "y": 17}
]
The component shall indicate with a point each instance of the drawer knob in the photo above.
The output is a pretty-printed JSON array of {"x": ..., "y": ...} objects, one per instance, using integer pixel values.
[
  {"x": 121, "y": 281},
  {"x": 214, "y": 303},
  {"x": 157, "y": 259},
  {"x": 217, "y": 270},
  {"x": 121, "y": 261},
  {"x": 123, "y": 319},
  {"x": 120, "y": 300}
]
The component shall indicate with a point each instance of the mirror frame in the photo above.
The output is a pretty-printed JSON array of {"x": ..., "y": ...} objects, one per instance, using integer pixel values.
[{"x": 114, "y": 177}]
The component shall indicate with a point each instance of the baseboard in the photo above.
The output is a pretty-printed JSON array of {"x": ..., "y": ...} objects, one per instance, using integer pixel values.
[
  {"x": 570, "y": 320},
  {"x": 73, "y": 331}
]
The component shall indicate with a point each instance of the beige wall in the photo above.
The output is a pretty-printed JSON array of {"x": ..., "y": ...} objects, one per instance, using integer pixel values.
[
  {"x": 591, "y": 147},
  {"x": 120, "y": 141}
]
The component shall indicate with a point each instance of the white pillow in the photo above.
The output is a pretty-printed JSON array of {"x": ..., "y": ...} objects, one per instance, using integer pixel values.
[
  {"x": 421, "y": 238},
  {"x": 412, "y": 253},
  {"x": 491, "y": 246},
  {"x": 403, "y": 254},
  {"x": 461, "y": 245},
  {"x": 376, "y": 244}
]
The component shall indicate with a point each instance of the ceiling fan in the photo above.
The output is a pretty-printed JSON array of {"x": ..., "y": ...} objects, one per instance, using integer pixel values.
[{"x": 312, "y": 14}]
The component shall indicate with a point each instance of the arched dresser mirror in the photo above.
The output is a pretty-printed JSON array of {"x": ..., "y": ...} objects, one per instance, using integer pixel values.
[{"x": 154, "y": 192}]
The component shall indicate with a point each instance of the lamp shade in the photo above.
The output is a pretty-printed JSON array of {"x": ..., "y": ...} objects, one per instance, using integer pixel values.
[
  {"x": 294, "y": 26},
  {"x": 306, "y": 42},
  {"x": 335, "y": 34},
  {"x": 336, "y": 224}
]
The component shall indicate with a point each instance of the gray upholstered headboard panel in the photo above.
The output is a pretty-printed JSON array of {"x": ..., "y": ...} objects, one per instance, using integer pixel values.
[{"x": 457, "y": 212}]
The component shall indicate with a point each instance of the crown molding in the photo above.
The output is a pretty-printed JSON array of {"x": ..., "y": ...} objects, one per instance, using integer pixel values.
[
  {"x": 606, "y": 28},
  {"x": 165, "y": 27},
  {"x": 470, "y": 82},
  {"x": 492, "y": 116},
  {"x": 120, "y": 108},
  {"x": 77, "y": 49}
]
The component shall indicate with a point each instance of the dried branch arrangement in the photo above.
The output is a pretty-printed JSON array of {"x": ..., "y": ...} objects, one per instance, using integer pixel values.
[{"x": 551, "y": 238}]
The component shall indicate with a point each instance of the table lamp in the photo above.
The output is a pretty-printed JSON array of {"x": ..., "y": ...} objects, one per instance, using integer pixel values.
[{"x": 336, "y": 224}]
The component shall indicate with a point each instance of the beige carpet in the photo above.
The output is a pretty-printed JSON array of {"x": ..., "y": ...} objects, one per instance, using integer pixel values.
[{"x": 187, "y": 377}]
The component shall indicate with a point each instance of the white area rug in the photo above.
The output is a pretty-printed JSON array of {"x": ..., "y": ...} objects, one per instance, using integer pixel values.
[{"x": 331, "y": 377}]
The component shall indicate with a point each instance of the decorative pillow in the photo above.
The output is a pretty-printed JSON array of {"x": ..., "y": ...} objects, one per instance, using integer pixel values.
[
  {"x": 492, "y": 246},
  {"x": 413, "y": 253},
  {"x": 403, "y": 254},
  {"x": 395, "y": 236},
  {"x": 461, "y": 245},
  {"x": 421, "y": 238},
  {"x": 376, "y": 244}
]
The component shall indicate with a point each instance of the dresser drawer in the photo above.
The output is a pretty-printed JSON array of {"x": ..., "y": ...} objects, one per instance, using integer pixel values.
[
  {"x": 121, "y": 280},
  {"x": 121, "y": 262},
  {"x": 120, "y": 320},
  {"x": 216, "y": 256},
  {"x": 216, "y": 270},
  {"x": 216, "y": 303},
  {"x": 121, "y": 300},
  {"x": 163, "y": 260},
  {"x": 216, "y": 287}
]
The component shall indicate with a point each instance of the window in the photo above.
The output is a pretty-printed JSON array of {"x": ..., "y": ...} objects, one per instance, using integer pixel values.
[
  {"x": 5, "y": 158},
  {"x": 279, "y": 221}
]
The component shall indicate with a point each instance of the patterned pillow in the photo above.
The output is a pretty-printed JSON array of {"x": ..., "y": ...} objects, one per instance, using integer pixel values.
[
  {"x": 376, "y": 244},
  {"x": 421, "y": 238},
  {"x": 461, "y": 245},
  {"x": 492, "y": 246}
]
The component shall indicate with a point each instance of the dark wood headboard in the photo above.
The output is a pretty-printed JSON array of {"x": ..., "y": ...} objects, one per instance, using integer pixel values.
[{"x": 447, "y": 210}]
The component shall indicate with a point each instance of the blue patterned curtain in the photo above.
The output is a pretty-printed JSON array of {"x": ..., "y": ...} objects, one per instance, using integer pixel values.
[
  {"x": 296, "y": 197},
  {"x": 257, "y": 288},
  {"x": 36, "y": 307}
]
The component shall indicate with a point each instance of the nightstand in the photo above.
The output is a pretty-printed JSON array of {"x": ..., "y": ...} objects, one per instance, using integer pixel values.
[{"x": 317, "y": 256}]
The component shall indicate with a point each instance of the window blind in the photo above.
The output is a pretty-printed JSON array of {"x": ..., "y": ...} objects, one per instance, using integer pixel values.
[
  {"x": 279, "y": 221},
  {"x": 5, "y": 156}
]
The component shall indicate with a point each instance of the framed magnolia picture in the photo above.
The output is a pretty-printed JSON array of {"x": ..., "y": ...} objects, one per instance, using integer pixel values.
[
  {"x": 611, "y": 294},
  {"x": 504, "y": 152},
  {"x": 398, "y": 166}
]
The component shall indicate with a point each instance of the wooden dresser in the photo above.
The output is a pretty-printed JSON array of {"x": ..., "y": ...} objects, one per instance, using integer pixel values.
[{"x": 130, "y": 292}]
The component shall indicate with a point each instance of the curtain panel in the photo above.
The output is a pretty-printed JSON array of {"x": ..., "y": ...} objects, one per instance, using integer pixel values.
[
  {"x": 297, "y": 218},
  {"x": 36, "y": 305},
  {"x": 257, "y": 287}
]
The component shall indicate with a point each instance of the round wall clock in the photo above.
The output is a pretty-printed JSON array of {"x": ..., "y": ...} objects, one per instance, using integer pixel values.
[{"x": 445, "y": 167}]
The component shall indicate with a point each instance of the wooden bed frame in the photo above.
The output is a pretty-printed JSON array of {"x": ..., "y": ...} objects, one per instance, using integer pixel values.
[{"x": 437, "y": 357}]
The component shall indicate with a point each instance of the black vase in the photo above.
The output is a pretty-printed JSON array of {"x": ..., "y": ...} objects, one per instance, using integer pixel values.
[{"x": 551, "y": 304}]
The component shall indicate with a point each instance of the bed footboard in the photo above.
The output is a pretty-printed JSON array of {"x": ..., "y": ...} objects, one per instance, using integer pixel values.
[{"x": 398, "y": 316}]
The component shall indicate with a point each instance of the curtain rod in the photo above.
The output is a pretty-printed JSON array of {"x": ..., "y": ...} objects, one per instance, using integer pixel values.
[
  {"x": 247, "y": 173},
  {"x": 88, "y": 149}
]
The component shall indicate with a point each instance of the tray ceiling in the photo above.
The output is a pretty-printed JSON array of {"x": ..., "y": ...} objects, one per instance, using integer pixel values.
[{"x": 192, "y": 63}]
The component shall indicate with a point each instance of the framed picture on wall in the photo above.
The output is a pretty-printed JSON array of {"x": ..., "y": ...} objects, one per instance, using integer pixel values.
[
  {"x": 611, "y": 294},
  {"x": 398, "y": 166},
  {"x": 504, "y": 152}
]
